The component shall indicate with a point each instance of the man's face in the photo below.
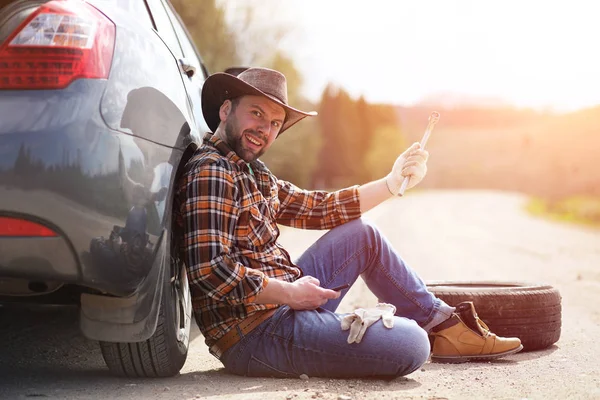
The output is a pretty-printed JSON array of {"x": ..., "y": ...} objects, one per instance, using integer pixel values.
[{"x": 252, "y": 126}]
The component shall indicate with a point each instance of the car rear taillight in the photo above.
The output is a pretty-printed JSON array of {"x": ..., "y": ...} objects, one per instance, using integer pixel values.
[
  {"x": 17, "y": 227},
  {"x": 61, "y": 41}
]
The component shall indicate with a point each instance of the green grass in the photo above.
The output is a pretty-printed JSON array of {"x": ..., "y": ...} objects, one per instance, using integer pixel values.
[{"x": 580, "y": 210}]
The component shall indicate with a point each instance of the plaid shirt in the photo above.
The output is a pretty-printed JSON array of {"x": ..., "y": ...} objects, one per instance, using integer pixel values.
[{"x": 228, "y": 214}]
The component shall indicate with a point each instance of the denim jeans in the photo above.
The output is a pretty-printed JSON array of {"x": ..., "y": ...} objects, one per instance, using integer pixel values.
[{"x": 311, "y": 342}]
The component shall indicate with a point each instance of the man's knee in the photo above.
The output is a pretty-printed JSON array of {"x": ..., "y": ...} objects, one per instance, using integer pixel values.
[
  {"x": 364, "y": 227},
  {"x": 414, "y": 349},
  {"x": 402, "y": 349},
  {"x": 418, "y": 353}
]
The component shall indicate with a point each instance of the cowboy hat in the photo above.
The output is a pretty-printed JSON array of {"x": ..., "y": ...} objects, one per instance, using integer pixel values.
[{"x": 252, "y": 81}]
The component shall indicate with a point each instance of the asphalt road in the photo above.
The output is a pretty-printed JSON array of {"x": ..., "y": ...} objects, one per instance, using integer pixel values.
[{"x": 468, "y": 235}]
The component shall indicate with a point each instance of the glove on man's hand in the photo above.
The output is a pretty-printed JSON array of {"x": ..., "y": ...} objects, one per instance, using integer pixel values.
[
  {"x": 362, "y": 318},
  {"x": 413, "y": 163}
]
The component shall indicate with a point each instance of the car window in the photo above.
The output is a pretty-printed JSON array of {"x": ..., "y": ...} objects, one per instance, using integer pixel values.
[
  {"x": 137, "y": 9},
  {"x": 164, "y": 26},
  {"x": 190, "y": 51}
]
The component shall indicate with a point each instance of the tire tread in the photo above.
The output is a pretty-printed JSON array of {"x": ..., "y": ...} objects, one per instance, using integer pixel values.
[
  {"x": 532, "y": 313},
  {"x": 158, "y": 356}
]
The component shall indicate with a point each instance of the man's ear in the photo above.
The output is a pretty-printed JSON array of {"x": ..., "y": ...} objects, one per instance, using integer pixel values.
[{"x": 224, "y": 110}]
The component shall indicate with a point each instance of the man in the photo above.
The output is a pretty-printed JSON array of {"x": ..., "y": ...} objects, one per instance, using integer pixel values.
[{"x": 262, "y": 314}]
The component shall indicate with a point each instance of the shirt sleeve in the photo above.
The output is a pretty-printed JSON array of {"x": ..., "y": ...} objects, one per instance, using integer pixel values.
[
  {"x": 210, "y": 212},
  {"x": 316, "y": 209}
]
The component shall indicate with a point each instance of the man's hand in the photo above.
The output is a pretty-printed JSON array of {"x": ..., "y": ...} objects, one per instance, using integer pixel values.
[
  {"x": 303, "y": 294},
  {"x": 306, "y": 294},
  {"x": 411, "y": 163},
  {"x": 362, "y": 318}
]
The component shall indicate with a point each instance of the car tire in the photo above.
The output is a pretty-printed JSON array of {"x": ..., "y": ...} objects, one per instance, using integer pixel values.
[
  {"x": 530, "y": 312},
  {"x": 165, "y": 352}
]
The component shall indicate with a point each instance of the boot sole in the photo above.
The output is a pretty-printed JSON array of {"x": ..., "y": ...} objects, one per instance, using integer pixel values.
[{"x": 463, "y": 359}]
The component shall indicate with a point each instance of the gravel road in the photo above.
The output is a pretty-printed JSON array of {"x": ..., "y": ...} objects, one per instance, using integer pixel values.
[{"x": 454, "y": 235}]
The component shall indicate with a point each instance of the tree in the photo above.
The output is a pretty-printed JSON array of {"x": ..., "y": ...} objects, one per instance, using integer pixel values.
[
  {"x": 328, "y": 159},
  {"x": 258, "y": 35},
  {"x": 366, "y": 126},
  {"x": 206, "y": 23},
  {"x": 341, "y": 157},
  {"x": 387, "y": 144},
  {"x": 229, "y": 34}
]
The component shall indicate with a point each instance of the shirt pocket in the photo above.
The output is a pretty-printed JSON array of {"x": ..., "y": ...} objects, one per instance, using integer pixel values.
[
  {"x": 254, "y": 227},
  {"x": 274, "y": 200}
]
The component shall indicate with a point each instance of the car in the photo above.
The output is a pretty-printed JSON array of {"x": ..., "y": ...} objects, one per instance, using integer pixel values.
[{"x": 99, "y": 111}]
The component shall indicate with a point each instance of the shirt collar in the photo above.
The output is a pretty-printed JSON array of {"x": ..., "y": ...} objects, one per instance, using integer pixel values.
[
  {"x": 227, "y": 152},
  {"x": 224, "y": 149}
]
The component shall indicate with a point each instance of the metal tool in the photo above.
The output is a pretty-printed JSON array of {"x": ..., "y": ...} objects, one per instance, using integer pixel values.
[{"x": 434, "y": 117}]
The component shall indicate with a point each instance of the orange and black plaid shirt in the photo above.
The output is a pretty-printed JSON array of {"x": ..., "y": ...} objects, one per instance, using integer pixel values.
[{"x": 228, "y": 214}]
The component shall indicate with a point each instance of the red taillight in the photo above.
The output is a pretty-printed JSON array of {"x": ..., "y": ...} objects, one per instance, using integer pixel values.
[
  {"x": 61, "y": 41},
  {"x": 23, "y": 228}
]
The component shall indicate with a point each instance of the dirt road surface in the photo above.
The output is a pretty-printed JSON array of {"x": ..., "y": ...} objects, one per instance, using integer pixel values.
[{"x": 466, "y": 235}]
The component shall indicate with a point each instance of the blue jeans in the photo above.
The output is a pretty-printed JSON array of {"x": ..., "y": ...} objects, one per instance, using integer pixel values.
[{"x": 311, "y": 342}]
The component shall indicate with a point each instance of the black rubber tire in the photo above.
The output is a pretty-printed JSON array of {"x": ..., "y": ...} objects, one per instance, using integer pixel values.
[
  {"x": 162, "y": 355},
  {"x": 531, "y": 312}
]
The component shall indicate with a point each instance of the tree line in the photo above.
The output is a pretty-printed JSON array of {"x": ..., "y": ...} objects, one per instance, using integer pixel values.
[{"x": 349, "y": 142}]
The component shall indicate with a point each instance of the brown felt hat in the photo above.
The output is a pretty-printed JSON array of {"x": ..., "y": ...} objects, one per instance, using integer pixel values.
[{"x": 253, "y": 81}]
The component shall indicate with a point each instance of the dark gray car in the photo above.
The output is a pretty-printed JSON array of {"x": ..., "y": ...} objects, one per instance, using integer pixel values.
[{"x": 99, "y": 110}]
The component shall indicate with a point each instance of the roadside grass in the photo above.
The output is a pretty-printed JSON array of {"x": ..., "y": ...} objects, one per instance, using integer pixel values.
[{"x": 579, "y": 210}]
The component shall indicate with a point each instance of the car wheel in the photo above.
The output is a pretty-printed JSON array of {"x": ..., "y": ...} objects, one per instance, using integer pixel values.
[
  {"x": 530, "y": 312},
  {"x": 165, "y": 352}
]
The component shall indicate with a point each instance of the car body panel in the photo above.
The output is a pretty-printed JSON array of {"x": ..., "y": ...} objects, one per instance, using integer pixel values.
[
  {"x": 96, "y": 163},
  {"x": 77, "y": 176},
  {"x": 48, "y": 258}
]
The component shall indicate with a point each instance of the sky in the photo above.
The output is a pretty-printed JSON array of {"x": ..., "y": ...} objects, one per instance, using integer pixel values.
[{"x": 527, "y": 53}]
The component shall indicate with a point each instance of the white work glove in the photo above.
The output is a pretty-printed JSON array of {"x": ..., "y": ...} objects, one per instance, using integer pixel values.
[
  {"x": 362, "y": 318},
  {"x": 413, "y": 163}
]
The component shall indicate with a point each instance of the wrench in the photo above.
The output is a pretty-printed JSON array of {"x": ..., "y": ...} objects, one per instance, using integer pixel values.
[{"x": 434, "y": 117}]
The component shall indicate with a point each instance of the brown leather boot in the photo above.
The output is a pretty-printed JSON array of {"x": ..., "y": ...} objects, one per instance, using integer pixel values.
[{"x": 464, "y": 337}]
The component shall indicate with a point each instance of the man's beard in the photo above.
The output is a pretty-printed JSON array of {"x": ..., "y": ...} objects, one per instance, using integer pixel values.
[{"x": 235, "y": 141}]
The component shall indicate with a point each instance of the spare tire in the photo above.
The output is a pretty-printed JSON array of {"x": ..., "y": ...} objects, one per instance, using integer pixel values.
[{"x": 531, "y": 312}]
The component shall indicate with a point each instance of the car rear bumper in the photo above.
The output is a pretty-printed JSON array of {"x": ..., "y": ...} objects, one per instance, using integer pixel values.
[
  {"x": 80, "y": 254},
  {"x": 42, "y": 259}
]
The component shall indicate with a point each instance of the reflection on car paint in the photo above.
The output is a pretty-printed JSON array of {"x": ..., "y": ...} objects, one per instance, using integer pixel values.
[{"x": 131, "y": 91}]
